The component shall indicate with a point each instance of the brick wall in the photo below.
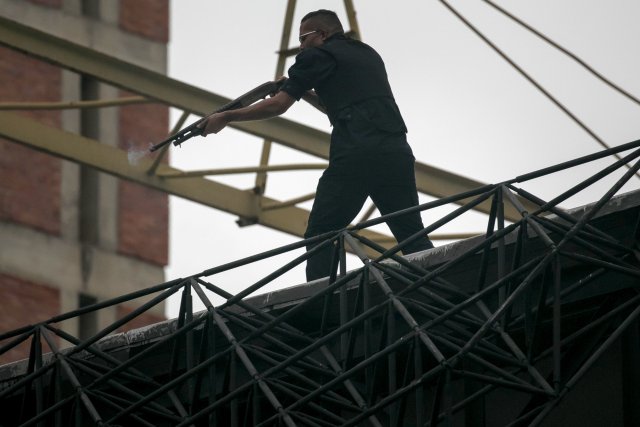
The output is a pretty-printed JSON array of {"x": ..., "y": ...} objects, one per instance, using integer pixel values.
[
  {"x": 143, "y": 212},
  {"x": 29, "y": 180},
  {"x": 24, "y": 303},
  {"x": 146, "y": 18}
]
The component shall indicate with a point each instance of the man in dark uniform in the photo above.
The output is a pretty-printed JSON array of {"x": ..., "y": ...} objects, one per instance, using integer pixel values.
[{"x": 369, "y": 154}]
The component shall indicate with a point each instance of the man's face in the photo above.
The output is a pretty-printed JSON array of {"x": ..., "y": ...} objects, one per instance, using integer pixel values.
[{"x": 310, "y": 36}]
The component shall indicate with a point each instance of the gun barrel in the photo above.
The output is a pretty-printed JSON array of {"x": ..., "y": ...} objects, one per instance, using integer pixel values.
[
  {"x": 179, "y": 137},
  {"x": 248, "y": 98}
]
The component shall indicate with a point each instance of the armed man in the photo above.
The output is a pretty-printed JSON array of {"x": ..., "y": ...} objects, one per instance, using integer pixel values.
[{"x": 369, "y": 154}]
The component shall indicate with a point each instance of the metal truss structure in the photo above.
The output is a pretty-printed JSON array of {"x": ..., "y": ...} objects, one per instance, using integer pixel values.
[{"x": 523, "y": 312}]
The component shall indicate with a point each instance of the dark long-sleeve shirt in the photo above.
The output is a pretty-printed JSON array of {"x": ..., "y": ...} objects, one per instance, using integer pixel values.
[{"x": 364, "y": 113}]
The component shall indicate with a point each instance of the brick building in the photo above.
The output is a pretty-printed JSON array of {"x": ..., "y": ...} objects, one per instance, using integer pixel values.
[{"x": 71, "y": 236}]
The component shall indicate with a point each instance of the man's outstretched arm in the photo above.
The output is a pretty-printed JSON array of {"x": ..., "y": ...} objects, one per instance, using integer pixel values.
[{"x": 270, "y": 107}]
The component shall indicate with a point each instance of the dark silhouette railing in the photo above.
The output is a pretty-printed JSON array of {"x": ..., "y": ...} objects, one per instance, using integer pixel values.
[{"x": 389, "y": 343}]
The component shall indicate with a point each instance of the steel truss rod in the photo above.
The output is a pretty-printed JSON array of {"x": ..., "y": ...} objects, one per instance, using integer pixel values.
[
  {"x": 591, "y": 326},
  {"x": 507, "y": 378},
  {"x": 587, "y": 365},
  {"x": 425, "y": 232},
  {"x": 290, "y": 390},
  {"x": 588, "y": 182},
  {"x": 420, "y": 273},
  {"x": 586, "y": 239},
  {"x": 97, "y": 306},
  {"x": 476, "y": 299},
  {"x": 290, "y": 331},
  {"x": 575, "y": 162},
  {"x": 630, "y": 271},
  {"x": 397, "y": 394},
  {"x": 119, "y": 366},
  {"x": 397, "y": 304},
  {"x": 68, "y": 372},
  {"x": 88, "y": 343},
  {"x": 352, "y": 371},
  {"x": 155, "y": 408},
  {"x": 562, "y": 215},
  {"x": 112, "y": 401},
  {"x": 332, "y": 397},
  {"x": 244, "y": 358}
]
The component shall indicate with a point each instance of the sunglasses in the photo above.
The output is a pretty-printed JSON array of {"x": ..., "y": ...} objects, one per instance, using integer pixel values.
[{"x": 304, "y": 36}]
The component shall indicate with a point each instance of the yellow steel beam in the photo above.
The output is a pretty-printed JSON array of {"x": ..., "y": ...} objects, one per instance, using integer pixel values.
[
  {"x": 73, "y": 105},
  {"x": 353, "y": 22},
  {"x": 291, "y": 202},
  {"x": 430, "y": 180},
  {"x": 261, "y": 177},
  {"x": 248, "y": 169}
]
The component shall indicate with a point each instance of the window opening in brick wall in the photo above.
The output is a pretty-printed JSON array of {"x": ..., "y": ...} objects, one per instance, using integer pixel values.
[
  {"x": 91, "y": 8},
  {"x": 88, "y": 323},
  {"x": 89, "y": 179}
]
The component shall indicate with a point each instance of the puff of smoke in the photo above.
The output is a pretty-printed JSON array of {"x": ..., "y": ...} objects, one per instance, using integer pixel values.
[{"x": 135, "y": 154}]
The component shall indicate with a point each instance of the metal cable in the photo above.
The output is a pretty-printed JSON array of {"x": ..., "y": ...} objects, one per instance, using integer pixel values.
[
  {"x": 566, "y": 52},
  {"x": 529, "y": 78}
]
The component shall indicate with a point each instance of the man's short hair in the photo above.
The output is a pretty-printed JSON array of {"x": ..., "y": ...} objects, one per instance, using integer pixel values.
[{"x": 327, "y": 20}]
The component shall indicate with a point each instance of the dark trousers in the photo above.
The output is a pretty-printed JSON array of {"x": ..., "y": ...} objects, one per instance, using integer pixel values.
[{"x": 389, "y": 180}]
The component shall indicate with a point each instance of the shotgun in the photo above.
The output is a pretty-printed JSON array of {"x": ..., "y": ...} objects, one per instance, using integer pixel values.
[{"x": 255, "y": 94}]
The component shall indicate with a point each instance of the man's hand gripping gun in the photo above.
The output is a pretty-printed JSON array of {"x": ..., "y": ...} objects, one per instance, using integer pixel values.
[{"x": 255, "y": 94}]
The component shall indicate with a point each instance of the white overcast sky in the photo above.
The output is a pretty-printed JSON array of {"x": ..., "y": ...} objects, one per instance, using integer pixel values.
[{"x": 468, "y": 111}]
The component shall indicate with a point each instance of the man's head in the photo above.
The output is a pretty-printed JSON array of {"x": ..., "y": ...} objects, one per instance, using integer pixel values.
[{"x": 317, "y": 26}]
